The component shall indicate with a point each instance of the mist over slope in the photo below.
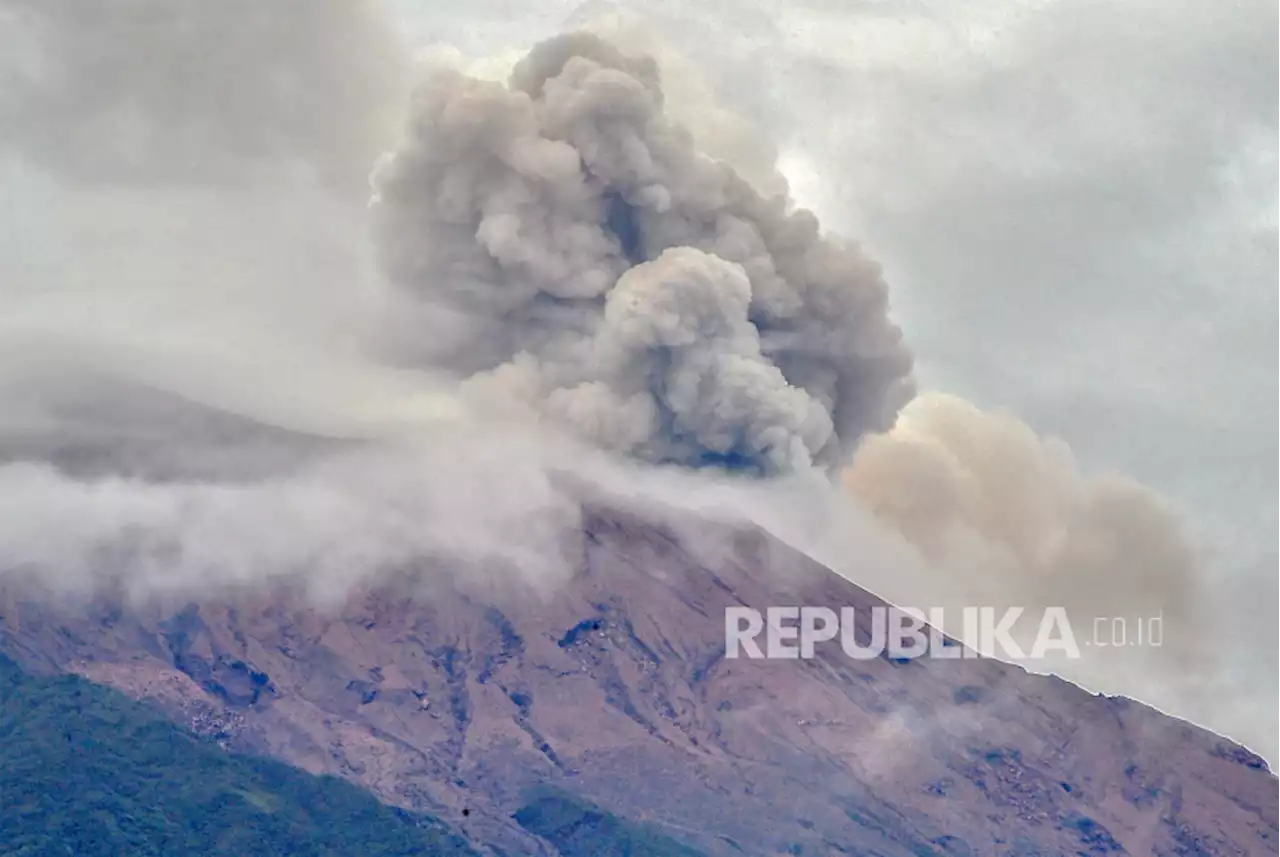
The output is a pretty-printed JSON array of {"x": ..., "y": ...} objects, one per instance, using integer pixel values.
[{"x": 555, "y": 275}]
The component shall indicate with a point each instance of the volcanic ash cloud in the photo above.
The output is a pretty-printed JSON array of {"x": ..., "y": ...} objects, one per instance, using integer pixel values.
[
  {"x": 600, "y": 270},
  {"x": 1010, "y": 518}
]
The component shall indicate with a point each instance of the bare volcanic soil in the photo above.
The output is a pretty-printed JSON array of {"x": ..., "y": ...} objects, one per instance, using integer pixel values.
[{"x": 615, "y": 687}]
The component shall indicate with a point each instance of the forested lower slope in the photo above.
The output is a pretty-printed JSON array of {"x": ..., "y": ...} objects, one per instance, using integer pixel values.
[{"x": 86, "y": 771}]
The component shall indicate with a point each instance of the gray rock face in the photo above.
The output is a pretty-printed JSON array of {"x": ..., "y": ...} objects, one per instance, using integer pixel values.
[{"x": 616, "y": 687}]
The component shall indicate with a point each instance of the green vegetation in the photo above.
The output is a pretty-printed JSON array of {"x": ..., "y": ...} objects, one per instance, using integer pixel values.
[
  {"x": 580, "y": 829},
  {"x": 85, "y": 771}
]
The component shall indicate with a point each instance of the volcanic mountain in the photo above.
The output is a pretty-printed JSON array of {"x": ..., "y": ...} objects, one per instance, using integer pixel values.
[{"x": 615, "y": 688}]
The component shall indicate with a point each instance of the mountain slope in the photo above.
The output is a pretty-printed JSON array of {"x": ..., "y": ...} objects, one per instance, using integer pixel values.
[
  {"x": 614, "y": 688},
  {"x": 87, "y": 771}
]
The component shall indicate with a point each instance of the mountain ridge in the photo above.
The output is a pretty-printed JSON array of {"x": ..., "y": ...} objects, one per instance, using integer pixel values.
[{"x": 614, "y": 687}]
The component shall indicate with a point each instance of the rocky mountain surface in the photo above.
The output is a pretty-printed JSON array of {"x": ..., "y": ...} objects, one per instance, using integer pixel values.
[{"x": 615, "y": 687}]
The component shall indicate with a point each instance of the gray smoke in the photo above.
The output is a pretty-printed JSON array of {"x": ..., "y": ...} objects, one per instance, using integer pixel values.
[{"x": 598, "y": 268}]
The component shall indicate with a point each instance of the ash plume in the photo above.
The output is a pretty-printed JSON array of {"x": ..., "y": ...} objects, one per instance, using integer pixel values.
[
  {"x": 987, "y": 499},
  {"x": 1007, "y": 517},
  {"x": 624, "y": 285}
]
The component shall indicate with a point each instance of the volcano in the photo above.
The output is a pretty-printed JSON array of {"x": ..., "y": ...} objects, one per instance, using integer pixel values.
[{"x": 614, "y": 689}]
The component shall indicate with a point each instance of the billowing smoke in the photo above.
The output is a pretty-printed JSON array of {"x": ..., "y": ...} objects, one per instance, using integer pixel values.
[
  {"x": 1009, "y": 519},
  {"x": 987, "y": 499},
  {"x": 624, "y": 285}
]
